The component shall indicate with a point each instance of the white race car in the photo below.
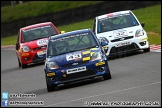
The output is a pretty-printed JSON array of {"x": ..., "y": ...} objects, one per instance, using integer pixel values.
[{"x": 123, "y": 31}]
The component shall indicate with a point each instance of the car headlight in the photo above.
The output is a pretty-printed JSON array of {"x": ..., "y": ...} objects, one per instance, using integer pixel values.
[
  {"x": 139, "y": 33},
  {"x": 52, "y": 65},
  {"x": 96, "y": 56},
  {"x": 25, "y": 49}
]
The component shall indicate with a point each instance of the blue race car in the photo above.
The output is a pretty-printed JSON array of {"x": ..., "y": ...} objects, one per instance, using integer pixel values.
[{"x": 74, "y": 56}]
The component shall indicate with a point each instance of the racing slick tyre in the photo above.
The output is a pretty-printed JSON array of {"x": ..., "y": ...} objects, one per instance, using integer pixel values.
[
  {"x": 147, "y": 50},
  {"x": 19, "y": 62},
  {"x": 107, "y": 76},
  {"x": 23, "y": 66},
  {"x": 49, "y": 86}
]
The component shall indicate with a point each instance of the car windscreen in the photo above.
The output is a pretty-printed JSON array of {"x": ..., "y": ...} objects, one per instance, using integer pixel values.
[
  {"x": 116, "y": 22},
  {"x": 71, "y": 43},
  {"x": 38, "y": 33}
]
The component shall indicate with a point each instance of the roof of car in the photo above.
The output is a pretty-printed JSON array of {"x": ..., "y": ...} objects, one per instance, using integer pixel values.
[
  {"x": 36, "y": 25},
  {"x": 113, "y": 13},
  {"x": 70, "y": 33}
]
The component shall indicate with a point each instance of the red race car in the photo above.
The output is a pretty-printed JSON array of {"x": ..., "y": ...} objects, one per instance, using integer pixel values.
[{"x": 32, "y": 41}]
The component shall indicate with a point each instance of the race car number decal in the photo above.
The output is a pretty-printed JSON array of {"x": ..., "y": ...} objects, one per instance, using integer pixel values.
[
  {"x": 120, "y": 33},
  {"x": 42, "y": 42},
  {"x": 73, "y": 56}
]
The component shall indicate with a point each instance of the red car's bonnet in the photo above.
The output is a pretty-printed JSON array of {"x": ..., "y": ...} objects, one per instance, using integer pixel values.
[{"x": 36, "y": 43}]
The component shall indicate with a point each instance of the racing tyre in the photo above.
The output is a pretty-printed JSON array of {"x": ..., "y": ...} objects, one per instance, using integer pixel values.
[
  {"x": 147, "y": 50},
  {"x": 19, "y": 62},
  {"x": 23, "y": 66},
  {"x": 107, "y": 76},
  {"x": 49, "y": 86}
]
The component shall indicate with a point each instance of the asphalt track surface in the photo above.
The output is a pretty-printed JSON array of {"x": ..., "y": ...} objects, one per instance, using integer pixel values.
[{"x": 136, "y": 79}]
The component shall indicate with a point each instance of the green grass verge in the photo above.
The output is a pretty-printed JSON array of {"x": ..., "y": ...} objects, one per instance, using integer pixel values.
[
  {"x": 152, "y": 18},
  {"x": 35, "y": 8},
  {"x": 150, "y": 15}
]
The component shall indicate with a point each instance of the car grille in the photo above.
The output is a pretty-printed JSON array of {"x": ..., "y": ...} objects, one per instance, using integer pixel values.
[
  {"x": 36, "y": 58},
  {"x": 131, "y": 47},
  {"x": 79, "y": 63},
  {"x": 78, "y": 75},
  {"x": 39, "y": 48},
  {"x": 123, "y": 38}
]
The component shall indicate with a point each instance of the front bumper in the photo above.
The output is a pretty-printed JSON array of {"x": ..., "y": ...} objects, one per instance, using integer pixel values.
[
  {"x": 136, "y": 43},
  {"x": 31, "y": 57},
  {"x": 61, "y": 76}
]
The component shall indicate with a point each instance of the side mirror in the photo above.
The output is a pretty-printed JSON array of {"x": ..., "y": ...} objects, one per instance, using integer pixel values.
[
  {"x": 62, "y": 32},
  {"x": 104, "y": 45},
  {"x": 17, "y": 46},
  {"x": 143, "y": 24}
]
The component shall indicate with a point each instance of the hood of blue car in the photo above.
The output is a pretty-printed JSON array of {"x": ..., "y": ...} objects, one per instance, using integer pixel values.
[{"x": 74, "y": 58}]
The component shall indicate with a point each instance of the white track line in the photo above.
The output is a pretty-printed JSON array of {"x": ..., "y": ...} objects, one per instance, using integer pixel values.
[{"x": 103, "y": 94}]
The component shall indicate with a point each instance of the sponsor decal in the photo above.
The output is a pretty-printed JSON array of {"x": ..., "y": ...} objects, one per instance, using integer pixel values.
[
  {"x": 86, "y": 58},
  {"x": 100, "y": 63},
  {"x": 85, "y": 52},
  {"x": 41, "y": 52},
  {"x": 110, "y": 15},
  {"x": 64, "y": 38},
  {"x": 42, "y": 42},
  {"x": 123, "y": 44},
  {"x": 94, "y": 49},
  {"x": 36, "y": 28},
  {"x": 144, "y": 39},
  {"x": 74, "y": 70}
]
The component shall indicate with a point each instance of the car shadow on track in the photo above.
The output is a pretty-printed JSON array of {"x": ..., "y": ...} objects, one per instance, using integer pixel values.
[
  {"x": 79, "y": 83},
  {"x": 38, "y": 92},
  {"x": 67, "y": 86},
  {"x": 34, "y": 65},
  {"x": 10, "y": 70},
  {"x": 134, "y": 53},
  {"x": 19, "y": 68}
]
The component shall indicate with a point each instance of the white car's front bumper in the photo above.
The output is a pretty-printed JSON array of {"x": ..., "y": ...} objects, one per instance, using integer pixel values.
[{"x": 135, "y": 43}]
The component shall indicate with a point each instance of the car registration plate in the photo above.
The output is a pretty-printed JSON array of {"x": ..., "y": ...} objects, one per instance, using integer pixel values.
[
  {"x": 74, "y": 70},
  {"x": 41, "y": 52},
  {"x": 123, "y": 43}
]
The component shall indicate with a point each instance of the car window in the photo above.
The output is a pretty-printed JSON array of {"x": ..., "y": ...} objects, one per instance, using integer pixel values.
[
  {"x": 38, "y": 33},
  {"x": 116, "y": 22},
  {"x": 71, "y": 43}
]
